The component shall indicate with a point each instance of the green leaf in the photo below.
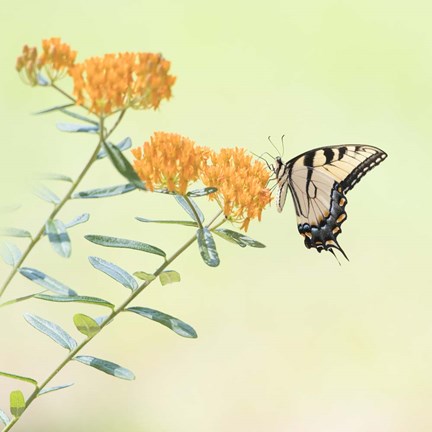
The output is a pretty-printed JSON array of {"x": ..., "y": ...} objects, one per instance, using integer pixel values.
[
  {"x": 101, "y": 319},
  {"x": 144, "y": 276},
  {"x": 122, "y": 146},
  {"x": 14, "y": 232},
  {"x": 19, "y": 299},
  {"x": 78, "y": 220},
  {"x": 105, "y": 192},
  {"x": 107, "y": 367},
  {"x": 55, "y": 108},
  {"x": 47, "y": 195},
  {"x": 187, "y": 208},
  {"x": 201, "y": 192},
  {"x": 69, "y": 127},
  {"x": 51, "y": 389},
  {"x": 238, "y": 238},
  {"x": 46, "y": 281},
  {"x": 207, "y": 247},
  {"x": 75, "y": 299},
  {"x": 79, "y": 117},
  {"x": 186, "y": 223},
  {"x": 4, "y": 418},
  {"x": 176, "y": 325},
  {"x": 52, "y": 330},
  {"x": 122, "y": 165},
  {"x": 17, "y": 403},
  {"x": 124, "y": 243},
  {"x": 58, "y": 237},
  {"x": 169, "y": 276},
  {"x": 114, "y": 271},
  {"x": 86, "y": 325},
  {"x": 54, "y": 176},
  {"x": 10, "y": 253},
  {"x": 19, "y": 378}
]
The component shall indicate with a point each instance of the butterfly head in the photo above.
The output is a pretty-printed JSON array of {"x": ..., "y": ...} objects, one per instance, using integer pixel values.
[{"x": 277, "y": 166}]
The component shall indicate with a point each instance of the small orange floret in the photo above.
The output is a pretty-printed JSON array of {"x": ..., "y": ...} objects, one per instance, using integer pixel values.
[
  {"x": 119, "y": 81},
  {"x": 241, "y": 182},
  {"x": 169, "y": 161},
  {"x": 56, "y": 58}
]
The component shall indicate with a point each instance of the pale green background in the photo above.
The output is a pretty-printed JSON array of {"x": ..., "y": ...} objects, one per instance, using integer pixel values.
[{"x": 288, "y": 339}]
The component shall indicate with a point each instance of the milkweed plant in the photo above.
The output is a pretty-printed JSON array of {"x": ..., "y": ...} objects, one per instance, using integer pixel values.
[{"x": 104, "y": 89}]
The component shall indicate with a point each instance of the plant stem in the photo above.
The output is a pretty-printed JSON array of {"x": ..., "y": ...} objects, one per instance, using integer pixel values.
[
  {"x": 65, "y": 199},
  {"x": 108, "y": 319}
]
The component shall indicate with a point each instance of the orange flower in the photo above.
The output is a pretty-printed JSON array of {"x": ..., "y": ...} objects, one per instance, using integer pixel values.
[
  {"x": 55, "y": 60},
  {"x": 169, "y": 161},
  {"x": 118, "y": 81},
  {"x": 241, "y": 184}
]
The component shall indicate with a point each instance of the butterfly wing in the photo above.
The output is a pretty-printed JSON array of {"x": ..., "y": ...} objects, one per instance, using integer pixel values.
[{"x": 318, "y": 181}]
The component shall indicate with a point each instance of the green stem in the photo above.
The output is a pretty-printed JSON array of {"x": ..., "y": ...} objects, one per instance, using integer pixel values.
[
  {"x": 65, "y": 199},
  {"x": 108, "y": 319}
]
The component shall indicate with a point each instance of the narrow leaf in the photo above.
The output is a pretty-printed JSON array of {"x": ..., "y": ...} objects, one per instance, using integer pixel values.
[
  {"x": 14, "y": 232},
  {"x": 54, "y": 176},
  {"x": 55, "y": 108},
  {"x": 19, "y": 378},
  {"x": 186, "y": 223},
  {"x": 122, "y": 146},
  {"x": 207, "y": 247},
  {"x": 51, "y": 389},
  {"x": 75, "y": 299},
  {"x": 4, "y": 418},
  {"x": 17, "y": 403},
  {"x": 10, "y": 253},
  {"x": 105, "y": 192},
  {"x": 124, "y": 243},
  {"x": 187, "y": 208},
  {"x": 58, "y": 237},
  {"x": 19, "y": 299},
  {"x": 145, "y": 276},
  {"x": 169, "y": 276},
  {"x": 47, "y": 195},
  {"x": 78, "y": 220},
  {"x": 79, "y": 117},
  {"x": 201, "y": 192},
  {"x": 122, "y": 165},
  {"x": 69, "y": 127},
  {"x": 176, "y": 325},
  {"x": 114, "y": 271},
  {"x": 86, "y": 325},
  {"x": 101, "y": 319},
  {"x": 46, "y": 281},
  {"x": 238, "y": 238},
  {"x": 107, "y": 367},
  {"x": 52, "y": 330}
]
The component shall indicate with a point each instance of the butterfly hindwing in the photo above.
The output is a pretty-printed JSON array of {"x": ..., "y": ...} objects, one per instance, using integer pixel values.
[{"x": 318, "y": 181}]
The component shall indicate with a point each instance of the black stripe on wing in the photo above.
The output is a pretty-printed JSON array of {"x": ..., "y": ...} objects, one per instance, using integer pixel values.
[
  {"x": 360, "y": 170},
  {"x": 323, "y": 237}
]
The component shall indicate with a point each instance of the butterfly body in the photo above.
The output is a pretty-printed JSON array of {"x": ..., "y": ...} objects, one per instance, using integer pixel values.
[{"x": 318, "y": 181}]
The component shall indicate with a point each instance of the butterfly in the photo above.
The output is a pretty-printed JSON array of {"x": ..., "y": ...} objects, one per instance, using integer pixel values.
[{"x": 319, "y": 180}]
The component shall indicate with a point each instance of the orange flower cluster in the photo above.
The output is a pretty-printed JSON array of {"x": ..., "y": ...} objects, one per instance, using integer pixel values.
[
  {"x": 241, "y": 183},
  {"x": 174, "y": 162},
  {"x": 56, "y": 59},
  {"x": 118, "y": 81},
  {"x": 169, "y": 161}
]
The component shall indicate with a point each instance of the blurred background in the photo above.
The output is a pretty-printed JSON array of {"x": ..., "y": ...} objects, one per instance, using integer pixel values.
[{"x": 288, "y": 339}]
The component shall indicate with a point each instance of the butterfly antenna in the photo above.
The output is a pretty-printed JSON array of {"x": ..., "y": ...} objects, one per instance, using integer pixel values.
[
  {"x": 283, "y": 145},
  {"x": 271, "y": 142}
]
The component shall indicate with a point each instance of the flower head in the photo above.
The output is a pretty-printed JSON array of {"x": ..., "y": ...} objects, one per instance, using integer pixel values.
[
  {"x": 169, "y": 161},
  {"x": 56, "y": 59},
  {"x": 241, "y": 182},
  {"x": 118, "y": 81}
]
